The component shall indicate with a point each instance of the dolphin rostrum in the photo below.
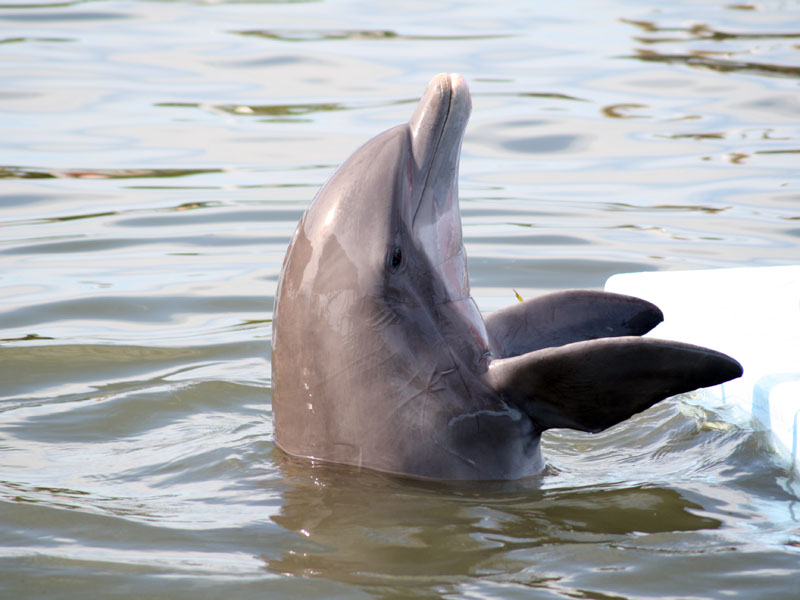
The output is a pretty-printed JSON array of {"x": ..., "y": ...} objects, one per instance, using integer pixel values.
[{"x": 381, "y": 359}]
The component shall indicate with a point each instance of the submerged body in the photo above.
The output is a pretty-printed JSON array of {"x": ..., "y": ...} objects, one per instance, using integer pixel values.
[{"x": 381, "y": 358}]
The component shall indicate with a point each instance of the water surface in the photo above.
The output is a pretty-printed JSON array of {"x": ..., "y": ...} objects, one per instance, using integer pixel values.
[{"x": 156, "y": 157}]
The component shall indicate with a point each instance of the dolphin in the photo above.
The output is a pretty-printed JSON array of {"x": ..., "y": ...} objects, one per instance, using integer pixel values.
[{"x": 382, "y": 360}]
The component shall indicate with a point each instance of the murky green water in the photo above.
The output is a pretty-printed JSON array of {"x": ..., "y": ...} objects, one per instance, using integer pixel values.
[{"x": 155, "y": 158}]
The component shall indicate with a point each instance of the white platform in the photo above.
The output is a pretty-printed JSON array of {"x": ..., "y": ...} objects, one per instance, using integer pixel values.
[{"x": 752, "y": 314}]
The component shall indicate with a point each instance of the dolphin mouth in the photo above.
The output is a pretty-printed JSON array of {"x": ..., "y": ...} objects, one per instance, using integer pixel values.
[{"x": 437, "y": 130}]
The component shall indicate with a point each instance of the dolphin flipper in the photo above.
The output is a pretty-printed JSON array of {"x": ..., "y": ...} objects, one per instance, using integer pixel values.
[
  {"x": 569, "y": 316},
  {"x": 592, "y": 385}
]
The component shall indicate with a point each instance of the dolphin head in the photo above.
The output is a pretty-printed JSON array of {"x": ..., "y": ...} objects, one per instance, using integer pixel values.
[
  {"x": 390, "y": 213},
  {"x": 373, "y": 303}
]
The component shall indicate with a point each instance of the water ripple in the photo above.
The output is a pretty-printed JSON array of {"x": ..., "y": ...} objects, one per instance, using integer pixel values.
[{"x": 152, "y": 175}]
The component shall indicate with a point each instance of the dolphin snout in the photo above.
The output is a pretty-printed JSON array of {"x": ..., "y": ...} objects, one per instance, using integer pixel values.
[{"x": 443, "y": 110}]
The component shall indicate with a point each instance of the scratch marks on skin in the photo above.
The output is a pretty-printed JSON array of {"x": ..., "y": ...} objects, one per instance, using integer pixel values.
[
  {"x": 433, "y": 384},
  {"x": 510, "y": 412},
  {"x": 352, "y": 367},
  {"x": 457, "y": 455},
  {"x": 383, "y": 319}
]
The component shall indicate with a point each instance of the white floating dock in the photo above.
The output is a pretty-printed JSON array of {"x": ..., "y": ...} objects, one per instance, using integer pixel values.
[{"x": 752, "y": 314}]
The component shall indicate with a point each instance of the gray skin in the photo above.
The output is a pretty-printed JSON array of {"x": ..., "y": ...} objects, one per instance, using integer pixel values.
[{"x": 381, "y": 359}]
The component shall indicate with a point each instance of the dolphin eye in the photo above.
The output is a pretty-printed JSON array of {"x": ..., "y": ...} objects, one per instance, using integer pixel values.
[{"x": 396, "y": 257}]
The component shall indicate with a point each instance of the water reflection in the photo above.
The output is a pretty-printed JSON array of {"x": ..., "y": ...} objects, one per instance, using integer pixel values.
[
  {"x": 15, "y": 172},
  {"x": 546, "y": 144},
  {"x": 305, "y": 109},
  {"x": 271, "y": 110},
  {"x": 620, "y": 111},
  {"x": 299, "y": 35},
  {"x": 701, "y": 31},
  {"x": 373, "y": 530},
  {"x": 703, "y": 60},
  {"x": 719, "y": 46},
  {"x": 61, "y": 17},
  {"x": 44, "y": 5},
  {"x": 17, "y": 40}
]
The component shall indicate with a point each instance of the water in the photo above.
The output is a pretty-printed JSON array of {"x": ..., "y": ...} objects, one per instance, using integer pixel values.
[{"x": 155, "y": 158}]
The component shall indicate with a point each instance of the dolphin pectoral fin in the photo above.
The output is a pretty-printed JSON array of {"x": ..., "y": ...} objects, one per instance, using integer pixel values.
[
  {"x": 592, "y": 385},
  {"x": 570, "y": 316}
]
